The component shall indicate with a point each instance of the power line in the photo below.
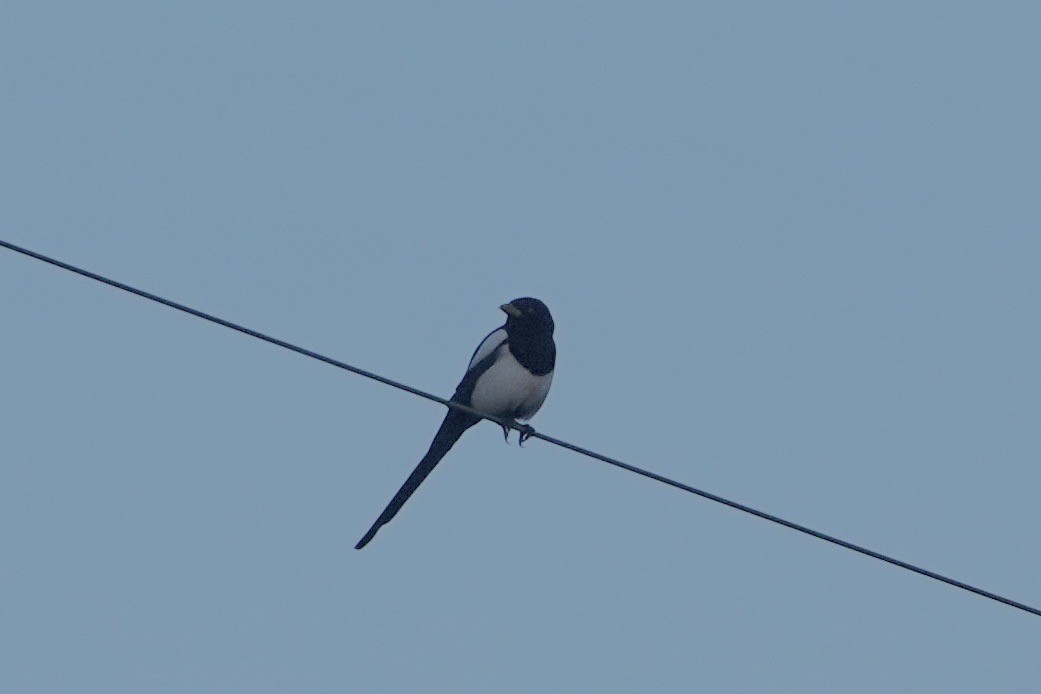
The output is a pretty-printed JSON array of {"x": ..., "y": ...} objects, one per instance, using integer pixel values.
[{"x": 512, "y": 425}]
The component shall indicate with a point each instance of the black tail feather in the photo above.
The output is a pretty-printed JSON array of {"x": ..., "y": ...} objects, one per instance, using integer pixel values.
[{"x": 452, "y": 428}]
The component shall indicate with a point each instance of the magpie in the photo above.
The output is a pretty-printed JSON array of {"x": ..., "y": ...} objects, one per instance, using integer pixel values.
[{"x": 508, "y": 377}]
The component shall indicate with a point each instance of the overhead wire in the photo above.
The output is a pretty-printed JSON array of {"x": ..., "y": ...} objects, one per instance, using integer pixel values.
[{"x": 531, "y": 434}]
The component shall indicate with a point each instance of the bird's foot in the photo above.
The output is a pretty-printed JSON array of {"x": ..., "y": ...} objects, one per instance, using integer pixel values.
[{"x": 526, "y": 432}]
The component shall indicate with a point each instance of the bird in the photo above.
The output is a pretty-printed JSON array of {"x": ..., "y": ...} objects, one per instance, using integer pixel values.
[{"x": 508, "y": 377}]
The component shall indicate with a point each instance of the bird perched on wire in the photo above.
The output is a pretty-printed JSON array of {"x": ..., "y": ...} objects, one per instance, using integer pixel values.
[{"x": 508, "y": 377}]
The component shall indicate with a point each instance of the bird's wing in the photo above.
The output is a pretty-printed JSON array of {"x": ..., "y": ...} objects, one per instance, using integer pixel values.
[
  {"x": 487, "y": 346},
  {"x": 483, "y": 359},
  {"x": 453, "y": 426}
]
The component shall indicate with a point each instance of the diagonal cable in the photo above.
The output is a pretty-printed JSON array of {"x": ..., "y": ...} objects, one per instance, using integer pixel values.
[{"x": 533, "y": 434}]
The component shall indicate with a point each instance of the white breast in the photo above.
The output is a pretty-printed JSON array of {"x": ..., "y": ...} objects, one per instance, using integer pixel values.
[{"x": 507, "y": 389}]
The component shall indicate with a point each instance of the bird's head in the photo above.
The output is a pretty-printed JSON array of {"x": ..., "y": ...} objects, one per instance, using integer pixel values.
[{"x": 528, "y": 314}]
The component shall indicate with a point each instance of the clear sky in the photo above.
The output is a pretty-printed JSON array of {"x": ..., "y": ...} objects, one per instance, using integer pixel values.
[{"x": 793, "y": 251}]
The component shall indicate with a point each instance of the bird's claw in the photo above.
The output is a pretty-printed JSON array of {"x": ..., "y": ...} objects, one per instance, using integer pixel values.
[{"x": 526, "y": 432}]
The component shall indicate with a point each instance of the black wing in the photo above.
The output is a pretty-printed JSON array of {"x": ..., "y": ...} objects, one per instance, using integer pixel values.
[{"x": 455, "y": 423}]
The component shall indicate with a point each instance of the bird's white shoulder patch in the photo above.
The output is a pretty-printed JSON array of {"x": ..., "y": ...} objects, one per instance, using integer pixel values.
[{"x": 494, "y": 339}]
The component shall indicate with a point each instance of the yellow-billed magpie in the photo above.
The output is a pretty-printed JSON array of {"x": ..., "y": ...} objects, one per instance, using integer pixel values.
[{"x": 508, "y": 377}]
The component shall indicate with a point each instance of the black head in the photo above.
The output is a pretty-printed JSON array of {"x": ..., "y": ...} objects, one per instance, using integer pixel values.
[{"x": 528, "y": 314}]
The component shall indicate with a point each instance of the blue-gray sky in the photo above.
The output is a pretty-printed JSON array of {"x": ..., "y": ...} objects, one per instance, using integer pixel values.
[{"x": 793, "y": 253}]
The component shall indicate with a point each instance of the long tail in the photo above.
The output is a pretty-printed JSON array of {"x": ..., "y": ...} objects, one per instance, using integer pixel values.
[{"x": 452, "y": 428}]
